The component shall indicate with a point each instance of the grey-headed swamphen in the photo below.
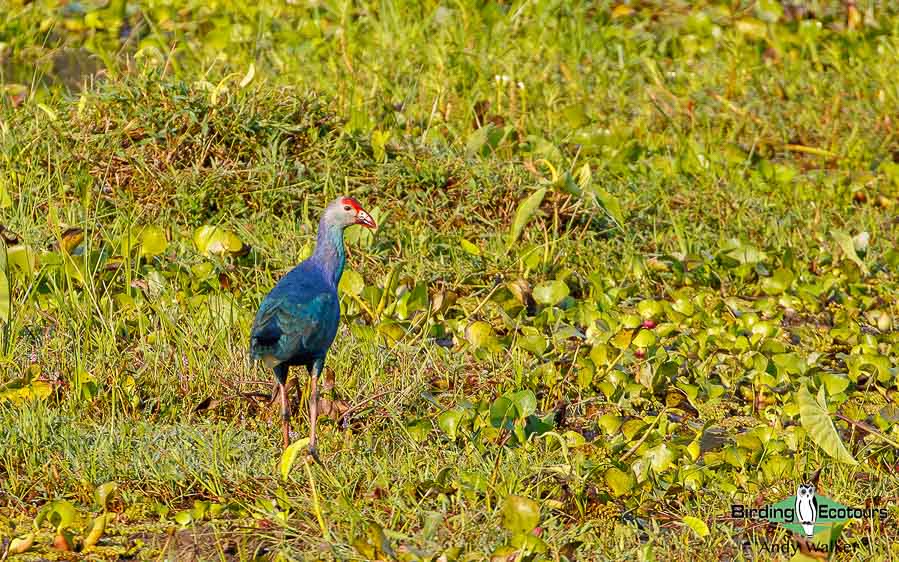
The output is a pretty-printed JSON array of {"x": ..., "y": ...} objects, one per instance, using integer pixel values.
[{"x": 297, "y": 321}]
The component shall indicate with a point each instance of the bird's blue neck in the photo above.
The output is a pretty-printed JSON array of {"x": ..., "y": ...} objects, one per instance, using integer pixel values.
[{"x": 329, "y": 252}]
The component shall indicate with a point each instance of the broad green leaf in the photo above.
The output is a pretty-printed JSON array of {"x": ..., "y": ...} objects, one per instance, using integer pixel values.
[
  {"x": 834, "y": 383},
  {"x": 847, "y": 245},
  {"x": 550, "y": 292},
  {"x": 525, "y": 401},
  {"x": 103, "y": 492},
  {"x": 777, "y": 283},
  {"x": 645, "y": 338},
  {"x": 289, "y": 456},
  {"x": 153, "y": 241},
  {"x": 816, "y": 421},
  {"x": 520, "y": 514},
  {"x": 215, "y": 240},
  {"x": 448, "y": 421},
  {"x": 622, "y": 339},
  {"x": 503, "y": 412},
  {"x": 480, "y": 335},
  {"x": 351, "y": 282},
  {"x": 610, "y": 203},
  {"x": 698, "y": 525},
  {"x": 525, "y": 211},
  {"x": 620, "y": 482},
  {"x": 469, "y": 248}
]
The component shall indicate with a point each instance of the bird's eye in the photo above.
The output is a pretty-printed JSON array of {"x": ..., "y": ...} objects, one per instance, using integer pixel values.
[{"x": 347, "y": 208}]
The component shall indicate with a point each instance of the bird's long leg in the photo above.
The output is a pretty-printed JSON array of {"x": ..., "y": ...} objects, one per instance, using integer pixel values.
[
  {"x": 281, "y": 372},
  {"x": 313, "y": 407}
]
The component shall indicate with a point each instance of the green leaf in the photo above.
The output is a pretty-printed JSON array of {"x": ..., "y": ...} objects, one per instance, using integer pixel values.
[
  {"x": 520, "y": 514},
  {"x": 834, "y": 383},
  {"x": 480, "y": 335},
  {"x": 104, "y": 492},
  {"x": 449, "y": 422},
  {"x": 620, "y": 482},
  {"x": 610, "y": 203},
  {"x": 525, "y": 211},
  {"x": 698, "y": 525},
  {"x": 645, "y": 338},
  {"x": 550, "y": 292},
  {"x": 5, "y": 288},
  {"x": 622, "y": 339},
  {"x": 469, "y": 248},
  {"x": 290, "y": 455},
  {"x": 214, "y": 240},
  {"x": 525, "y": 401},
  {"x": 503, "y": 412},
  {"x": 777, "y": 283},
  {"x": 847, "y": 245},
  {"x": 816, "y": 421},
  {"x": 351, "y": 283},
  {"x": 153, "y": 241}
]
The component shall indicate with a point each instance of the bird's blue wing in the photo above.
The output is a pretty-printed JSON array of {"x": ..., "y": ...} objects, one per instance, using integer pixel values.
[{"x": 294, "y": 325}]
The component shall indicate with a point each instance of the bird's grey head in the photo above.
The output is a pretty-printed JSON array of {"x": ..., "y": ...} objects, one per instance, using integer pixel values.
[
  {"x": 346, "y": 211},
  {"x": 805, "y": 491}
]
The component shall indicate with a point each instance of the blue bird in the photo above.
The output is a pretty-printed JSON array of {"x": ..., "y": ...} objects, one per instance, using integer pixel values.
[{"x": 297, "y": 321}]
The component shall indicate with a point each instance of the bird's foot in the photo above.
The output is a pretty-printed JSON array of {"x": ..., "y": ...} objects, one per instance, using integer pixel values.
[{"x": 312, "y": 453}]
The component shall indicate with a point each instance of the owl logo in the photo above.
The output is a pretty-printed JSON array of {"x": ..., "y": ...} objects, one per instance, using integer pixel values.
[{"x": 806, "y": 508}]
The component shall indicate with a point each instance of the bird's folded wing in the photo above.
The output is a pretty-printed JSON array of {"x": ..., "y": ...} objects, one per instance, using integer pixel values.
[{"x": 298, "y": 324}]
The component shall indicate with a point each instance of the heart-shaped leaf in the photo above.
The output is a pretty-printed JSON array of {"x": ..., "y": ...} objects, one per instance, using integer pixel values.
[
  {"x": 520, "y": 514},
  {"x": 816, "y": 421}
]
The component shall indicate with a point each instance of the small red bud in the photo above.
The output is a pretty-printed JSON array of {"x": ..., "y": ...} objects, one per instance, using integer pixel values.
[
  {"x": 649, "y": 323},
  {"x": 538, "y": 531},
  {"x": 639, "y": 353}
]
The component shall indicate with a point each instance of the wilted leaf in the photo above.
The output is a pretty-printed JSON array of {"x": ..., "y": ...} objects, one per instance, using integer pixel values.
[
  {"x": 480, "y": 335},
  {"x": 525, "y": 211},
  {"x": 520, "y": 514},
  {"x": 816, "y": 421}
]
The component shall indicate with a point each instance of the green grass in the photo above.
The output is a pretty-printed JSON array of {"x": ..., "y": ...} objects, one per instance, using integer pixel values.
[{"x": 709, "y": 167}]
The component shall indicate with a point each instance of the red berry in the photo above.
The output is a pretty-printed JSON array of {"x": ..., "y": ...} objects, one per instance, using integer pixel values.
[
  {"x": 639, "y": 353},
  {"x": 649, "y": 323}
]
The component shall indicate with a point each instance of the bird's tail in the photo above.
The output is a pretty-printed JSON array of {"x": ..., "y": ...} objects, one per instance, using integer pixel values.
[{"x": 264, "y": 341}]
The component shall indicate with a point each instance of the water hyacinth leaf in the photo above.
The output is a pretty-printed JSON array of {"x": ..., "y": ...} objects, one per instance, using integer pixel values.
[
  {"x": 449, "y": 422},
  {"x": 778, "y": 283},
  {"x": 622, "y": 339},
  {"x": 215, "y": 240},
  {"x": 351, "y": 283},
  {"x": 153, "y": 241},
  {"x": 502, "y": 413},
  {"x": 698, "y": 525},
  {"x": 525, "y": 211},
  {"x": 525, "y": 401},
  {"x": 520, "y": 514},
  {"x": 847, "y": 245},
  {"x": 480, "y": 335},
  {"x": 550, "y": 292},
  {"x": 290, "y": 456},
  {"x": 97, "y": 528},
  {"x": 816, "y": 421},
  {"x": 620, "y": 482},
  {"x": 645, "y": 339},
  {"x": 104, "y": 492},
  {"x": 469, "y": 248}
]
